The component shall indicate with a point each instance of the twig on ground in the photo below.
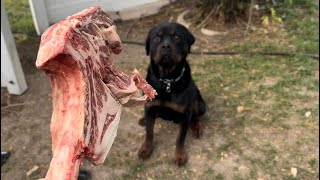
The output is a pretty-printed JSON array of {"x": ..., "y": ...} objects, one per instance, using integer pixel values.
[
  {"x": 131, "y": 25},
  {"x": 205, "y": 19},
  {"x": 250, "y": 17},
  {"x": 14, "y": 105},
  {"x": 205, "y": 40},
  {"x": 11, "y": 111},
  {"x": 241, "y": 22},
  {"x": 133, "y": 113}
]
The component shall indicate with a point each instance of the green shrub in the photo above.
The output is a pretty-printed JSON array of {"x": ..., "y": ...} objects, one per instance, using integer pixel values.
[
  {"x": 19, "y": 16},
  {"x": 226, "y": 10},
  {"x": 230, "y": 10}
]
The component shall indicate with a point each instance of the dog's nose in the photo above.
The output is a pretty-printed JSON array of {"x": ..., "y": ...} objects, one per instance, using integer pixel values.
[{"x": 165, "y": 46}]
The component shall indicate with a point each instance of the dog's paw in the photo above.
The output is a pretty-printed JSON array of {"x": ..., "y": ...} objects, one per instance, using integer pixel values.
[
  {"x": 142, "y": 122},
  {"x": 197, "y": 133},
  {"x": 180, "y": 158},
  {"x": 145, "y": 151}
]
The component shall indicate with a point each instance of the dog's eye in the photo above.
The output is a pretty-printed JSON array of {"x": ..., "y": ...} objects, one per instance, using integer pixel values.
[
  {"x": 176, "y": 38},
  {"x": 157, "y": 39}
]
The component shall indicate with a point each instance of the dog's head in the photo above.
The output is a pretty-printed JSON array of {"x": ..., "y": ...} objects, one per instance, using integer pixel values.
[{"x": 168, "y": 44}]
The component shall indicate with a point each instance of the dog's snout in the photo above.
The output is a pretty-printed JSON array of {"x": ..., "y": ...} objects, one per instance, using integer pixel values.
[{"x": 165, "y": 46}]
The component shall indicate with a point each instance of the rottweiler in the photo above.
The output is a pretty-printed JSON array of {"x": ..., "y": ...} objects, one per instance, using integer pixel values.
[{"x": 178, "y": 99}]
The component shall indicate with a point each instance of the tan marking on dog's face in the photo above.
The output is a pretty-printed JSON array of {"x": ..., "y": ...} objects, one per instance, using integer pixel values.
[
  {"x": 160, "y": 33},
  {"x": 160, "y": 36},
  {"x": 157, "y": 57}
]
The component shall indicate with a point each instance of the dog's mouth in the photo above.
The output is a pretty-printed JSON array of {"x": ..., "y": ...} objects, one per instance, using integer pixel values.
[{"x": 166, "y": 60}]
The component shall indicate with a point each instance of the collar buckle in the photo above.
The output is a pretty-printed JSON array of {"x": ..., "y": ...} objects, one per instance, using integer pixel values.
[
  {"x": 168, "y": 84},
  {"x": 168, "y": 88},
  {"x": 169, "y": 81}
]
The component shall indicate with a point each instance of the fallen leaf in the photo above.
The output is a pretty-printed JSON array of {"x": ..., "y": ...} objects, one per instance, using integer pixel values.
[
  {"x": 294, "y": 171},
  {"x": 149, "y": 178},
  {"x": 242, "y": 167},
  {"x": 253, "y": 28},
  {"x": 240, "y": 109},
  {"x": 35, "y": 167},
  {"x": 171, "y": 19},
  {"x": 307, "y": 114},
  {"x": 265, "y": 20}
]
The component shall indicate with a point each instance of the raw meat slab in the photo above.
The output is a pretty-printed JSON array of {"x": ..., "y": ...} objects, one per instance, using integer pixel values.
[{"x": 88, "y": 92}]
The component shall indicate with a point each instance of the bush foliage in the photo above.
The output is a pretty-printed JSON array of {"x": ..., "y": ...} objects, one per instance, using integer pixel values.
[{"x": 230, "y": 10}]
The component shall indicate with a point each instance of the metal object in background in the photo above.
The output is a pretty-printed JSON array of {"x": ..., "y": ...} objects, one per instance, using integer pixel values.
[
  {"x": 84, "y": 175},
  {"x": 4, "y": 157}
]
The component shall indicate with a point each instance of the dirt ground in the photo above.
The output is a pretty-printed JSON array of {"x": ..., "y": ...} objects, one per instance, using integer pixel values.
[{"x": 25, "y": 126}]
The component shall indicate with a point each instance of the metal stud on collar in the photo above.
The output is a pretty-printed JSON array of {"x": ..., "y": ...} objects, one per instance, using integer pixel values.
[
  {"x": 168, "y": 84},
  {"x": 168, "y": 88},
  {"x": 169, "y": 81}
]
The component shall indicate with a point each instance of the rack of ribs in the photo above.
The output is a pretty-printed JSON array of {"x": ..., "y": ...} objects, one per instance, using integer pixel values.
[{"x": 88, "y": 91}]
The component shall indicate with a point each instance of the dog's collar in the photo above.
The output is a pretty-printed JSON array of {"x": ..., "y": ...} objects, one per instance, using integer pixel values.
[{"x": 169, "y": 81}]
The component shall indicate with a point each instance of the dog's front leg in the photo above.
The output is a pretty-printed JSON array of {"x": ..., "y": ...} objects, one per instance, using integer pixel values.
[
  {"x": 147, "y": 146},
  {"x": 180, "y": 154}
]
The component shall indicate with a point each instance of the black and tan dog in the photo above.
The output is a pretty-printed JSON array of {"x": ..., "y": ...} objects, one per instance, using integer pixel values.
[{"x": 178, "y": 97}]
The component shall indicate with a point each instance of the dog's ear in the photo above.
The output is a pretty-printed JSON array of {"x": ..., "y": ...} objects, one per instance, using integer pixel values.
[
  {"x": 147, "y": 45},
  {"x": 191, "y": 39},
  {"x": 188, "y": 35}
]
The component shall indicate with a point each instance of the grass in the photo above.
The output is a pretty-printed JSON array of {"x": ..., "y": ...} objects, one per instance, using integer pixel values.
[
  {"x": 211, "y": 174},
  {"x": 278, "y": 91},
  {"x": 298, "y": 32},
  {"x": 303, "y": 25},
  {"x": 20, "y": 19}
]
